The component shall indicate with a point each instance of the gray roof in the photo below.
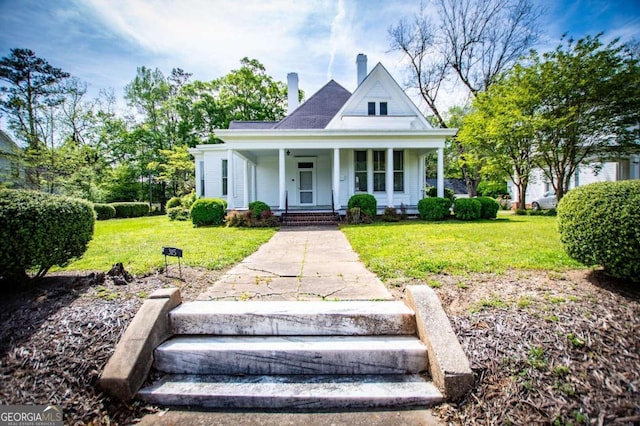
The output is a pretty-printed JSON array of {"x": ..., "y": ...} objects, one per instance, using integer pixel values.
[
  {"x": 252, "y": 125},
  {"x": 458, "y": 185},
  {"x": 318, "y": 110}
]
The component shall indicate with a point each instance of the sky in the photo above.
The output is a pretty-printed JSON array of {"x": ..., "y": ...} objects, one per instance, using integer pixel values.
[{"x": 102, "y": 42}]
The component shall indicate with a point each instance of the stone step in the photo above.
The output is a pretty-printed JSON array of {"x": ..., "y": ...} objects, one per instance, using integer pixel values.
[
  {"x": 294, "y": 392},
  {"x": 293, "y": 318},
  {"x": 310, "y": 218},
  {"x": 257, "y": 355}
]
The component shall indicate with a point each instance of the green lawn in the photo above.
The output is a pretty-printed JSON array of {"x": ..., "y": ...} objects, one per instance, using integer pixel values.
[
  {"x": 137, "y": 243},
  {"x": 416, "y": 249}
]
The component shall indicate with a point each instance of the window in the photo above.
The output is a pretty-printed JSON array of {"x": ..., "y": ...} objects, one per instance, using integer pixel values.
[
  {"x": 383, "y": 108},
  {"x": 398, "y": 171},
  {"x": 201, "y": 165},
  {"x": 372, "y": 108},
  {"x": 379, "y": 171},
  {"x": 225, "y": 177},
  {"x": 361, "y": 171}
]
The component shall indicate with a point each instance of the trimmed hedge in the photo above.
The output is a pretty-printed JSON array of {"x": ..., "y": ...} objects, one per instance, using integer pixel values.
[
  {"x": 208, "y": 211},
  {"x": 366, "y": 202},
  {"x": 434, "y": 208},
  {"x": 104, "y": 211},
  {"x": 40, "y": 230},
  {"x": 488, "y": 208},
  {"x": 599, "y": 224},
  {"x": 174, "y": 202},
  {"x": 467, "y": 208},
  {"x": 432, "y": 191},
  {"x": 257, "y": 207},
  {"x": 130, "y": 209},
  {"x": 178, "y": 213}
]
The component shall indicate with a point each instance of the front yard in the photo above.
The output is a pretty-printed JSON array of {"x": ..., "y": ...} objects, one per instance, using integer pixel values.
[{"x": 548, "y": 340}]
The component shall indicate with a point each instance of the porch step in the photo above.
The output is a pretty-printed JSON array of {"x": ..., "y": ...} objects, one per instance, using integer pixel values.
[
  {"x": 294, "y": 392},
  {"x": 310, "y": 218},
  {"x": 286, "y": 318},
  {"x": 292, "y": 355}
]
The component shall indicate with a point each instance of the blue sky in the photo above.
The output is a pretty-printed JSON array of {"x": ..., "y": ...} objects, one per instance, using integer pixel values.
[{"x": 103, "y": 41}]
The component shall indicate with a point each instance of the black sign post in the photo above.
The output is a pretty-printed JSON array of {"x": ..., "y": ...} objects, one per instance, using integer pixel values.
[{"x": 173, "y": 252}]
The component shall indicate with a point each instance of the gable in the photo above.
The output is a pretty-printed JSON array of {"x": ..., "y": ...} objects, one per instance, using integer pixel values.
[{"x": 379, "y": 89}]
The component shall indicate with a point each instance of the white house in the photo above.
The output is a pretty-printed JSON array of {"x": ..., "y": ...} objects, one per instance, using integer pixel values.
[
  {"x": 625, "y": 168},
  {"x": 330, "y": 147}
]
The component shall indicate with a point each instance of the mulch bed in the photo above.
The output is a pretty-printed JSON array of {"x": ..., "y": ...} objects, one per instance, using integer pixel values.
[{"x": 544, "y": 346}]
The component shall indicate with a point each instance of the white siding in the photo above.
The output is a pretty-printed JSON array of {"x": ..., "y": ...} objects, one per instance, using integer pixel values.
[{"x": 267, "y": 180}]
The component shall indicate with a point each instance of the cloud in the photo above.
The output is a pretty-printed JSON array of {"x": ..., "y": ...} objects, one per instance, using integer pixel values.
[{"x": 339, "y": 32}]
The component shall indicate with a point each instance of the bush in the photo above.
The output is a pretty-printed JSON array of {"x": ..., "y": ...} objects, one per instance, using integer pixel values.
[
  {"x": 104, "y": 211},
  {"x": 208, "y": 211},
  {"x": 492, "y": 188},
  {"x": 390, "y": 215},
  {"x": 178, "y": 213},
  {"x": 488, "y": 208},
  {"x": 432, "y": 191},
  {"x": 40, "y": 230},
  {"x": 366, "y": 202},
  {"x": 434, "y": 208},
  {"x": 257, "y": 207},
  {"x": 188, "y": 200},
  {"x": 130, "y": 209},
  {"x": 467, "y": 208},
  {"x": 599, "y": 224},
  {"x": 174, "y": 202}
]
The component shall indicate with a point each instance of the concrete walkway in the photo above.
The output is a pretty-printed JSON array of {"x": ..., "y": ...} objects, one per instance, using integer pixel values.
[{"x": 310, "y": 263}]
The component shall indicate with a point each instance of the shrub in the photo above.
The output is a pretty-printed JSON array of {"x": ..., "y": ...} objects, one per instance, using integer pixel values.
[
  {"x": 367, "y": 203},
  {"x": 131, "y": 209},
  {"x": 434, "y": 208},
  {"x": 488, "y": 207},
  {"x": 492, "y": 188},
  {"x": 390, "y": 215},
  {"x": 257, "y": 207},
  {"x": 599, "y": 224},
  {"x": 432, "y": 191},
  {"x": 174, "y": 202},
  {"x": 104, "y": 211},
  {"x": 40, "y": 230},
  {"x": 178, "y": 213},
  {"x": 188, "y": 200},
  {"x": 467, "y": 208},
  {"x": 208, "y": 211}
]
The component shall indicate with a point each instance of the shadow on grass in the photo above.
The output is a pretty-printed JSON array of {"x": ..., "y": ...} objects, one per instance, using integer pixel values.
[{"x": 25, "y": 308}]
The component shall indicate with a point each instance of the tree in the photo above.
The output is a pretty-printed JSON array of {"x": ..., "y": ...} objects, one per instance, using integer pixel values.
[
  {"x": 589, "y": 105},
  {"x": 32, "y": 87},
  {"x": 471, "y": 43},
  {"x": 501, "y": 130}
]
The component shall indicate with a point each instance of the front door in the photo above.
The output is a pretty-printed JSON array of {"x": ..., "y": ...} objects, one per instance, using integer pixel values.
[{"x": 306, "y": 182}]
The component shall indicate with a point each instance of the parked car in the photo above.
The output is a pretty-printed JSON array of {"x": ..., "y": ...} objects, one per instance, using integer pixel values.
[{"x": 547, "y": 201}]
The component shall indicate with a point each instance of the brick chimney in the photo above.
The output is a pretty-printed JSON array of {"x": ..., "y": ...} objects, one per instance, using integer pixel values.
[
  {"x": 292, "y": 92},
  {"x": 361, "y": 62}
]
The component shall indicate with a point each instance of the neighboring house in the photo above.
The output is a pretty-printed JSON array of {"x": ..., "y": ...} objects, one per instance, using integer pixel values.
[
  {"x": 12, "y": 173},
  {"x": 458, "y": 186},
  {"x": 334, "y": 145},
  {"x": 627, "y": 167}
]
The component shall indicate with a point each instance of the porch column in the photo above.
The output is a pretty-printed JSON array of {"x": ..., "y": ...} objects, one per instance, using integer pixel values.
[
  {"x": 421, "y": 176},
  {"x": 230, "y": 180},
  {"x": 254, "y": 182},
  {"x": 440, "y": 186},
  {"x": 281, "y": 178},
  {"x": 245, "y": 182},
  {"x": 336, "y": 178},
  {"x": 389, "y": 177}
]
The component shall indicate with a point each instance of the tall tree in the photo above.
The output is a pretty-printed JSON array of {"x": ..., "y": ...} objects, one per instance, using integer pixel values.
[
  {"x": 589, "y": 105},
  {"x": 31, "y": 89},
  {"x": 501, "y": 130},
  {"x": 469, "y": 43}
]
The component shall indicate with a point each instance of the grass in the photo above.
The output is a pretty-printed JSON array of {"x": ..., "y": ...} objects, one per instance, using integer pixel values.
[
  {"x": 138, "y": 242},
  {"x": 416, "y": 249}
]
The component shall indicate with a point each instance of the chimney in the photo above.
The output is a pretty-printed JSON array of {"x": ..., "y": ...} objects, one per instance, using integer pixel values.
[
  {"x": 361, "y": 61},
  {"x": 292, "y": 92}
]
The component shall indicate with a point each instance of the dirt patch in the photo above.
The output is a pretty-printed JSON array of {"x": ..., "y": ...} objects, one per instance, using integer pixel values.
[{"x": 544, "y": 346}]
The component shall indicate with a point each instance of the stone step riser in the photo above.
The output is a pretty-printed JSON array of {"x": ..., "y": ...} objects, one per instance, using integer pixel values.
[
  {"x": 294, "y": 392},
  {"x": 293, "y": 318},
  {"x": 292, "y": 355}
]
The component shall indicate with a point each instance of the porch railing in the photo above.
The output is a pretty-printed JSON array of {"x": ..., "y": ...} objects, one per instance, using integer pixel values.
[
  {"x": 333, "y": 203},
  {"x": 286, "y": 202}
]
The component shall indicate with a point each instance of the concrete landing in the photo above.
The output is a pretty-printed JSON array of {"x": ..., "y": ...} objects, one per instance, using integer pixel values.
[{"x": 310, "y": 263}]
